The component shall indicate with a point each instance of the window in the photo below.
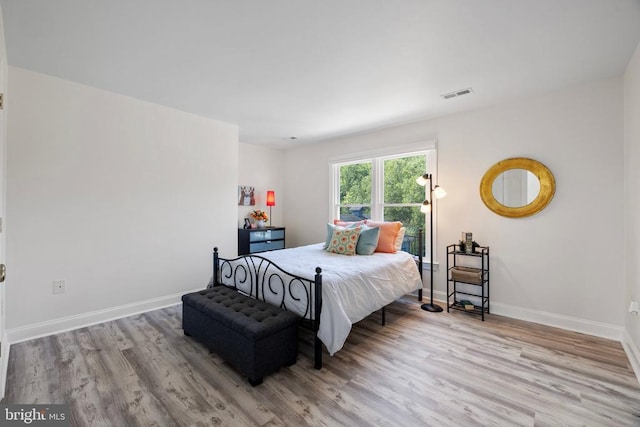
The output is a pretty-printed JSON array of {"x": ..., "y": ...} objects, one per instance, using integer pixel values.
[
  {"x": 402, "y": 197},
  {"x": 383, "y": 188},
  {"x": 355, "y": 185}
]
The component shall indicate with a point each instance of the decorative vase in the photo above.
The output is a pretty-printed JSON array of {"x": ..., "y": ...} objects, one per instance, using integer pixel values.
[{"x": 260, "y": 223}]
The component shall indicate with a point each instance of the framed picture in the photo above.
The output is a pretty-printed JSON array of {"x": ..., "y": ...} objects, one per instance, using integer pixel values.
[
  {"x": 247, "y": 223},
  {"x": 246, "y": 195}
]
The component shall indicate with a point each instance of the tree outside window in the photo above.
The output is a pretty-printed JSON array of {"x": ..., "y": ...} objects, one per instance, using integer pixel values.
[
  {"x": 355, "y": 191},
  {"x": 402, "y": 196}
]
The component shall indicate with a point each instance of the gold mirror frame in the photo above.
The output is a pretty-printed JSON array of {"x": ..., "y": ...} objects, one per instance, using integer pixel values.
[{"x": 544, "y": 175}]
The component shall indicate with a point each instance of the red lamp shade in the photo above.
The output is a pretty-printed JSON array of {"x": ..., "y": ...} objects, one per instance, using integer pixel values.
[{"x": 271, "y": 198}]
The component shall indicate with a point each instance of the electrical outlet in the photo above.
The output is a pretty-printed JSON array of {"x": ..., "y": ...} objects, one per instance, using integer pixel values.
[{"x": 58, "y": 286}]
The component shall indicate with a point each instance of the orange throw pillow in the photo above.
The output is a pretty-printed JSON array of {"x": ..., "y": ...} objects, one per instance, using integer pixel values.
[{"x": 388, "y": 235}]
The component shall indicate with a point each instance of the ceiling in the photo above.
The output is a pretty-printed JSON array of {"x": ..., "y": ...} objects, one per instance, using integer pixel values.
[{"x": 320, "y": 69}]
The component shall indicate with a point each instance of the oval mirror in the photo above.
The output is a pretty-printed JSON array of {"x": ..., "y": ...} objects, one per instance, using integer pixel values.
[{"x": 517, "y": 187}]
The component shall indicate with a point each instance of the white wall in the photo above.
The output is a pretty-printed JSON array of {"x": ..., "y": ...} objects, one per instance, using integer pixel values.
[
  {"x": 632, "y": 198},
  {"x": 261, "y": 167},
  {"x": 120, "y": 198},
  {"x": 560, "y": 267}
]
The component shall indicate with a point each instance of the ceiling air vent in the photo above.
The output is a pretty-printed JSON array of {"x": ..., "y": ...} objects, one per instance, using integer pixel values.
[{"x": 457, "y": 93}]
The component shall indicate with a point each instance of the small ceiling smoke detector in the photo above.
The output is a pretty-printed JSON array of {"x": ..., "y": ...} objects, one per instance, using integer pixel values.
[{"x": 457, "y": 93}]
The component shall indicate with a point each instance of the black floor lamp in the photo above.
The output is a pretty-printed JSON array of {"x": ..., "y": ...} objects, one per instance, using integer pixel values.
[{"x": 427, "y": 207}]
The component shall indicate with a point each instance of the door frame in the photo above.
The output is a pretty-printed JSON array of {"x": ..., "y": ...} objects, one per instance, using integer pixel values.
[{"x": 4, "y": 345}]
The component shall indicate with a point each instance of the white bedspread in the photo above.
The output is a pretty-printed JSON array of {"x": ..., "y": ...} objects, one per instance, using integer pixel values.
[{"x": 352, "y": 286}]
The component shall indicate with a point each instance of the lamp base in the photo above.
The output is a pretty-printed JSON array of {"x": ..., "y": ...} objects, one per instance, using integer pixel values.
[{"x": 431, "y": 307}]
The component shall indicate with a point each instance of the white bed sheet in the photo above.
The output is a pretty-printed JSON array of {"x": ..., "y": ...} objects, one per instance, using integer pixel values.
[{"x": 352, "y": 286}]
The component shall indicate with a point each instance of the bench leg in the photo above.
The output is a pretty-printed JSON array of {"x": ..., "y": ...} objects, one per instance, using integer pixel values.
[{"x": 255, "y": 382}]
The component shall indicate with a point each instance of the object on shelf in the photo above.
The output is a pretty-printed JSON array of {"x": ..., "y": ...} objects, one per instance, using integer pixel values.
[
  {"x": 467, "y": 305},
  {"x": 466, "y": 274},
  {"x": 474, "y": 245},
  {"x": 468, "y": 242}
]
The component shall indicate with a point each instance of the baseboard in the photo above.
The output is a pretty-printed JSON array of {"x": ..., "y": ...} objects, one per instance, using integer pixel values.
[
  {"x": 43, "y": 329},
  {"x": 632, "y": 353},
  {"x": 603, "y": 330},
  {"x": 589, "y": 327}
]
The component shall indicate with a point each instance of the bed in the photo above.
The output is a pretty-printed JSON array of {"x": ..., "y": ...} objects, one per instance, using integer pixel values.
[{"x": 330, "y": 292}]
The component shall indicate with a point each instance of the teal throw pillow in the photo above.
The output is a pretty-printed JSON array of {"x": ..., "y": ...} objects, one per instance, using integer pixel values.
[{"x": 368, "y": 240}]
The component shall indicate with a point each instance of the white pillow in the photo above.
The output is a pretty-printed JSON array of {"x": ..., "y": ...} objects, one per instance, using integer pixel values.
[{"x": 400, "y": 238}]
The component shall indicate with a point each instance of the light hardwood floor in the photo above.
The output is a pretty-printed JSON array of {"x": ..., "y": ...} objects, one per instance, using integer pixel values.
[{"x": 420, "y": 369}]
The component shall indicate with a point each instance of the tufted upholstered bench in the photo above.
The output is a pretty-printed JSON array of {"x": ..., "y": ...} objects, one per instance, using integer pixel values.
[{"x": 253, "y": 336}]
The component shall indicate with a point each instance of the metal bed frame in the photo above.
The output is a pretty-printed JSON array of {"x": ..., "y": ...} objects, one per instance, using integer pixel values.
[{"x": 260, "y": 278}]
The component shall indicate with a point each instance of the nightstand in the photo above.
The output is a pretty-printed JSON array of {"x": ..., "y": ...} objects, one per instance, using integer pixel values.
[{"x": 253, "y": 240}]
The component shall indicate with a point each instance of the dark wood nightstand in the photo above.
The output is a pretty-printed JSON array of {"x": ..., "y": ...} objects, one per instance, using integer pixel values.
[{"x": 253, "y": 240}]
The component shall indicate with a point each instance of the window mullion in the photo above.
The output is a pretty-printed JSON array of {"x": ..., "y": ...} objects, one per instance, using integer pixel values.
[
  {"x": 377, "y": 193},
  {"x": 335, "y": 191}
]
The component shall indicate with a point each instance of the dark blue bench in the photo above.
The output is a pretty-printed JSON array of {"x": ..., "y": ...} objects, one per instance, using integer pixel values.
[{"x": 251, "y": 335}]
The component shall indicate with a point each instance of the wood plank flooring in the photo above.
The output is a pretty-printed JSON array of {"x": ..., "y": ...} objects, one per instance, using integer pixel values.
[{"x": 420, "y": 369}]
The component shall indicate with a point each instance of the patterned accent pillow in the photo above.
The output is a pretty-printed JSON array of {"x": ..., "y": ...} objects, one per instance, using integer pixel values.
[
  {"x": 344, "y": 241},
  {"x": 330, "y": 228}
]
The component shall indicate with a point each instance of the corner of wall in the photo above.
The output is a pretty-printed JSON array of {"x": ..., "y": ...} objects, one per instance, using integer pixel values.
[
  {"x": 261, "y": 167},
  {"x": 631, "y": 333},
  {"x": 632, "y": 353}
]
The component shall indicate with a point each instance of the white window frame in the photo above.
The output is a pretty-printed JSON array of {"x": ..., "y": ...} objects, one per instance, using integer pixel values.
[{"x": 377, "y": 159}]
